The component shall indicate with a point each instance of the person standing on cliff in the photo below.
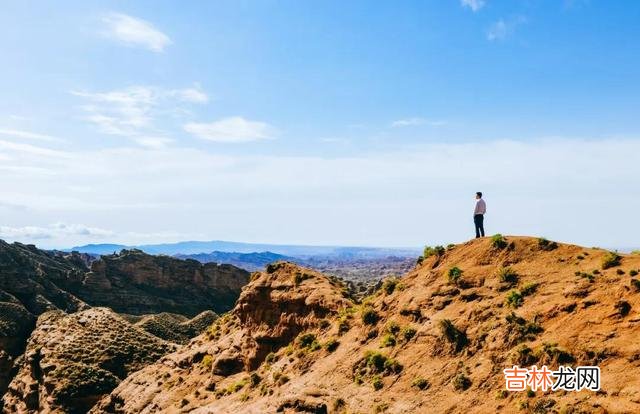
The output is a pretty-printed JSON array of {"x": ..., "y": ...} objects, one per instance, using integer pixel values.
[{"x": 478, "y": 215}]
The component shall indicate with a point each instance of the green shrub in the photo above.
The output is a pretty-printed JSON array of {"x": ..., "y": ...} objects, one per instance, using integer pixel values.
[
  {"x": 453, "y": 335},
  {"x": 546, "y": 245},
  {"x": 389, "y": 285},
  {"x": 207, "y": 361},
  {"x": 433, "y": 251},
  {"x": 272, "y": 267},
  {"x": 388, "y": 340},
  {"x": 611, "y": 259},
  {"x": 254, "y": 379},
  {"x": 331, "y": 345},
  {"x": 420, "y": 383},
  {"x": 633, "y": 273},
  {"x": 407, "y": 333},
  {"x": 529, "y": 288},
  {"x": 393, "y": 328},
  {"x": 308, "y": 341},
  {"x": 454, "y": 275},
  {"x": 550, "y": 353},
  {"x": 376, "y": 382},
  {"x": 370, "y": 316},
  {"x": 525, "y": 356},
  {"x": 514, "y": 299},
  {"x": 619, "y": 272},
  {"x": 270, "y": 358},
  {"x": 498, "y": 241},
  {"x": 461, "y": 382},
  {"x": 636, "y": 284},
  {"x": 507, "y": 275}
]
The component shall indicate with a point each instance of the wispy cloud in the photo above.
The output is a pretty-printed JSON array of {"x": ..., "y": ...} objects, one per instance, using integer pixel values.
[
  {"x": 406, "y": 122},
  {"x": 56, "y": 230},
  {"x": 232, "y": 130},
  {"x": 31, "y": 149},
  {"x": 502, "y": 29},
  {"x": 134, "y": 32},
  {"x": 132, "y": 111},
  {"x": 28, "y": 135},
  {"x": 474, "y": 5}
]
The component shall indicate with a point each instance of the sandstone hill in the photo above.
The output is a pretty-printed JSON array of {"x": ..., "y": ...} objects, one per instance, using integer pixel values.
[
  {"x": 34, "y": 281},
  {"x": 138, "y": 283},
  {"x": 434, "y": 341},
  {"x": 71, "y": 360}
]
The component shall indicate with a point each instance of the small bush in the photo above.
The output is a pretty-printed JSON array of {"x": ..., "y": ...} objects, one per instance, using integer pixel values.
[
  {"x": 611, "y": 259},
  {"x": 393, "y": 328},
  {"x": 270, "y": 358},
  {"x": 272, "y": 267},
  {"x": 498, "y": 241},
  {"x": 308, "y": 341},
  {"x": 529, "y": 289},
  {"x": 623, "y": 307},
  {"x": 433, "y": 251},
  {"x": 619, "y": 272},
  {"x": 636, "y": 284},
  {"x": 454, "y": 275},
  {"x": 407, "y": 333},
  {"x": 507, "y": 275},
  {"x": 331, "y": 345},
  {"x": 207, "y": 361},
  {"x": 550, "y": 353},
  {"x": 370, "y": 316},
  {"x": 376, "y": 382},
  {"x": 525, "y": 356},
  {"x": 514, "y": 299},
  {"x": 388, "y": 340},
  {"x": 633, "y": 273},
  {"x": 461, "y": 382},
  {"x": 389, "y": 285},
  {"x": 420, "y": 383},
  {"x": 453, "y": 335},
  {"x": 254, "y": 379},
  {"x": 546, "y": 245}
]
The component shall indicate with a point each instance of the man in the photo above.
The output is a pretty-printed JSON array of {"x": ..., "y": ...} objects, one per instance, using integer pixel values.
[{"x": 478, "y": 215}]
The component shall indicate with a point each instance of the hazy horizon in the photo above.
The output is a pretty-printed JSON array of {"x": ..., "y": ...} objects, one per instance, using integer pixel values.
[{"x": 332, "y": 123}]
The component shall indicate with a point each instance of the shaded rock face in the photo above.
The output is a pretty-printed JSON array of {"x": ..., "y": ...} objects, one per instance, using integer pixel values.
[
  {"x": 34, "y": 281},
  {"x": 72, "y": 360},
  {"x": 137, "y": 283}
]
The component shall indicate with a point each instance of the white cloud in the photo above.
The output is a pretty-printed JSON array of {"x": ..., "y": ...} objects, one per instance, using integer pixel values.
[
  {"x": 474, "y": 5},
  {"x": 153, "y": 142},
  {"x": 502, "y": 29},
  {"x": 134, "y": 32},
  {"x": 415, "y": 122},
  {"x": 132, "y": 111},
  {"x": 409, "y": 196},
  {"x": 232, "y": 130},
  {"x": 56, "y": 230},
  {"x": 31, "y": 149},
  {"x": 28, "y": 135}
]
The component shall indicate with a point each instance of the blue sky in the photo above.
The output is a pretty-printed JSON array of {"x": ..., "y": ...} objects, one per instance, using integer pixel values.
[{"x": 355, "y": 122}]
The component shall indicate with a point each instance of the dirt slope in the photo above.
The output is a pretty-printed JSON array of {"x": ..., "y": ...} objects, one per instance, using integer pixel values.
[{"x": 435, "y": 341}]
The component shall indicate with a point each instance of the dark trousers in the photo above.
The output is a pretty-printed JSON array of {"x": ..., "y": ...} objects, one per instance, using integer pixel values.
[{"x": 478, "y": 220}]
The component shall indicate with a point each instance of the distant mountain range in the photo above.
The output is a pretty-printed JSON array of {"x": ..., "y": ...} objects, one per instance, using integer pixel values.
[
  {"x": 218, "y": 246},
  {"x": 247, "y": 261}
]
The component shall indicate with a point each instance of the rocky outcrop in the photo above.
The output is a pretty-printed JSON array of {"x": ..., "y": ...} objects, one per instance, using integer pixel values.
[
  {"x": 435, "y": 340},
  {"x": 71, "y": 360},
  {"x": 34, "y": 281},
  {"x": 134, "y": 282},
  {"x": 275, "y": 308}
]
